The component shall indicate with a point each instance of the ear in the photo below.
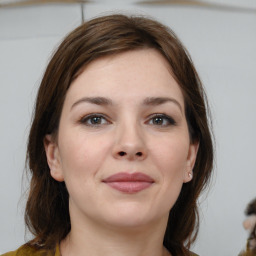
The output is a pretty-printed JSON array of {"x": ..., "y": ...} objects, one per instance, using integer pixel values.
[
  {"x": 53, "y": 157},
  {"x": 190, "y": 162}
]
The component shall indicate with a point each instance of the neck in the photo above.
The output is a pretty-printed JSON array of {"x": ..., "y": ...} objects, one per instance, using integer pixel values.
[{"x": 93, "y": 239}]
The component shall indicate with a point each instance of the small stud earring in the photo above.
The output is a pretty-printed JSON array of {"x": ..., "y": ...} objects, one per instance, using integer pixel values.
[{"x": 190, "y": 175}]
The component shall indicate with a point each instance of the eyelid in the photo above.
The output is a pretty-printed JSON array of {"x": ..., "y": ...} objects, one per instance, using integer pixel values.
[
  {"x": 83, "y": 119},
  {"x": 170, "y": 119}
]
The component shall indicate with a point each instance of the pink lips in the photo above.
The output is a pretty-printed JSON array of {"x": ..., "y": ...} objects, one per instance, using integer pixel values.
[{"x": 129, "y": 182}]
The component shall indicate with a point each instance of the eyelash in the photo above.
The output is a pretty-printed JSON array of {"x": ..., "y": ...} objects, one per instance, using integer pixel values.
[
  {"x": 165, "y": 120},
  {"x": 163, "y": 117},
  {"x": 85, "y": 119}
]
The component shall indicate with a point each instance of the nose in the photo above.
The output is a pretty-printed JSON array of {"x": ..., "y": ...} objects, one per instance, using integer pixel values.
[{"x": 129, "y": 143}]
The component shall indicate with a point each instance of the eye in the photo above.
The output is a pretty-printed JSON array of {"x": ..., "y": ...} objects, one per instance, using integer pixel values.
[
  {"x": 94, "y": 120},
  {"x": 161, "y": 120}
]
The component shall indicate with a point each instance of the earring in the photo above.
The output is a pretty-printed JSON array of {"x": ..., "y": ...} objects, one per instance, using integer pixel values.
[{"x": 190, "y": 175}]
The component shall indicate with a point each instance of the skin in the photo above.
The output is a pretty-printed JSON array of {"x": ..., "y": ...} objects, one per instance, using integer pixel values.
[{"x": 124, "y": 136}]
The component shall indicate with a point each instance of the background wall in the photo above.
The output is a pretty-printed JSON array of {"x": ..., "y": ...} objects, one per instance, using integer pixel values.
[{"x": 223, "y": 47}]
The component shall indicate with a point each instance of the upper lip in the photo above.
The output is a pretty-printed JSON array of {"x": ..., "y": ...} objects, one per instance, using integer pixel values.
[{"x": 129, "y": 177}]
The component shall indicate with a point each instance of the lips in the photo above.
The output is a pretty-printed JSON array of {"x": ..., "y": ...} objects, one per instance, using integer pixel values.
[{"x": 129, "y": 182}]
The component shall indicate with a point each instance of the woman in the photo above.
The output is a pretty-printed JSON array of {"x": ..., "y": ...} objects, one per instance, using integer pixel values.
[{"x": 120, "y": 146}]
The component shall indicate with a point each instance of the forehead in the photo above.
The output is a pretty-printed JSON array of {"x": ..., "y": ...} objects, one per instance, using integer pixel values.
[{"x": 135, "y": 74}]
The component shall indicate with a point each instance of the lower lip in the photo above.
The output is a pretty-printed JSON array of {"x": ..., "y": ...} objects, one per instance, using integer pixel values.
[{"x": 129, "y": 186}]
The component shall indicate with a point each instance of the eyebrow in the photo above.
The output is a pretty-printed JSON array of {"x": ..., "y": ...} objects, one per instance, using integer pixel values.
[
  {"x": 154, "y": 101},
  {"x": 150, "y": 101},
  {"x": 94, "y": 100}
]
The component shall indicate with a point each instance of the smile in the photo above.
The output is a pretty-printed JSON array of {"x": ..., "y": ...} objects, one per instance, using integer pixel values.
[{"x": 129, "y": 182}]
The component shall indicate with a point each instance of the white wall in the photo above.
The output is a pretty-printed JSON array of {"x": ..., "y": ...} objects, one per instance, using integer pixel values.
[{"x": 223, "y": 47}]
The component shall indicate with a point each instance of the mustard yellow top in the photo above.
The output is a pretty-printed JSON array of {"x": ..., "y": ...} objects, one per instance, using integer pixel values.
[{"x": 28, "y": 251}]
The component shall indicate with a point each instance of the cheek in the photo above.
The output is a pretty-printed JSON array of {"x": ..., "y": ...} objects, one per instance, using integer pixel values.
[
  {"x": 171, "y": 155},
  {"x": 170, "y": 159},
  {"x": 81, "y": 155},
  {"x": 77, "y": 165}
]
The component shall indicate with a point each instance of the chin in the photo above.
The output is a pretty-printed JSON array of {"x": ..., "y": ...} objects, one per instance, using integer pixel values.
[{"x": 132, "y": 216}]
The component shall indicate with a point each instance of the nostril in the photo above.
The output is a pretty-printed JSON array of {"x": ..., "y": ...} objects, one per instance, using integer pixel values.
[
  {"x": 123, "y": 153},
  {"x": 139, "y": 154}
]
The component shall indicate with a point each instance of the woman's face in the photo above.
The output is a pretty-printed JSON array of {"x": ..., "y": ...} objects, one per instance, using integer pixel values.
[{"x": 123, "y": 146}]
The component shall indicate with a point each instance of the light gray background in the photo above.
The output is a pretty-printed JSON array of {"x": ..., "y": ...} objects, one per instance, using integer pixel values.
[{"x": 223, "y": 47}]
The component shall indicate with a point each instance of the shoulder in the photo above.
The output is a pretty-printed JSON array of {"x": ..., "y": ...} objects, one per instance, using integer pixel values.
[
  {"x": 8, "y": 254},
  {"x": 29, "y": 251},
  {"x": 12, "y": 253}
]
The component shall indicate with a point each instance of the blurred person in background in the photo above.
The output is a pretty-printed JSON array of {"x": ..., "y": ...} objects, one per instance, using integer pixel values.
[{"x": 250, "y": 225}]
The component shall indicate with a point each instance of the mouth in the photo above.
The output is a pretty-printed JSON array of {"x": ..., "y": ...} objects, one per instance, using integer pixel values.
[{"x": 129, "y": 182}]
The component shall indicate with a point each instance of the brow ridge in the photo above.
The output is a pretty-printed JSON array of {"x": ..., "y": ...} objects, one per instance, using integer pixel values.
[
  {"x": 154, "y": 101},
  {"x": 151, "y": 101},
  {"x": 94, "y": 100}
]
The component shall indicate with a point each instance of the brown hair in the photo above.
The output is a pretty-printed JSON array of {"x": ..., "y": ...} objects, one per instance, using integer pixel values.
[{"x": 47, "y": 212}]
